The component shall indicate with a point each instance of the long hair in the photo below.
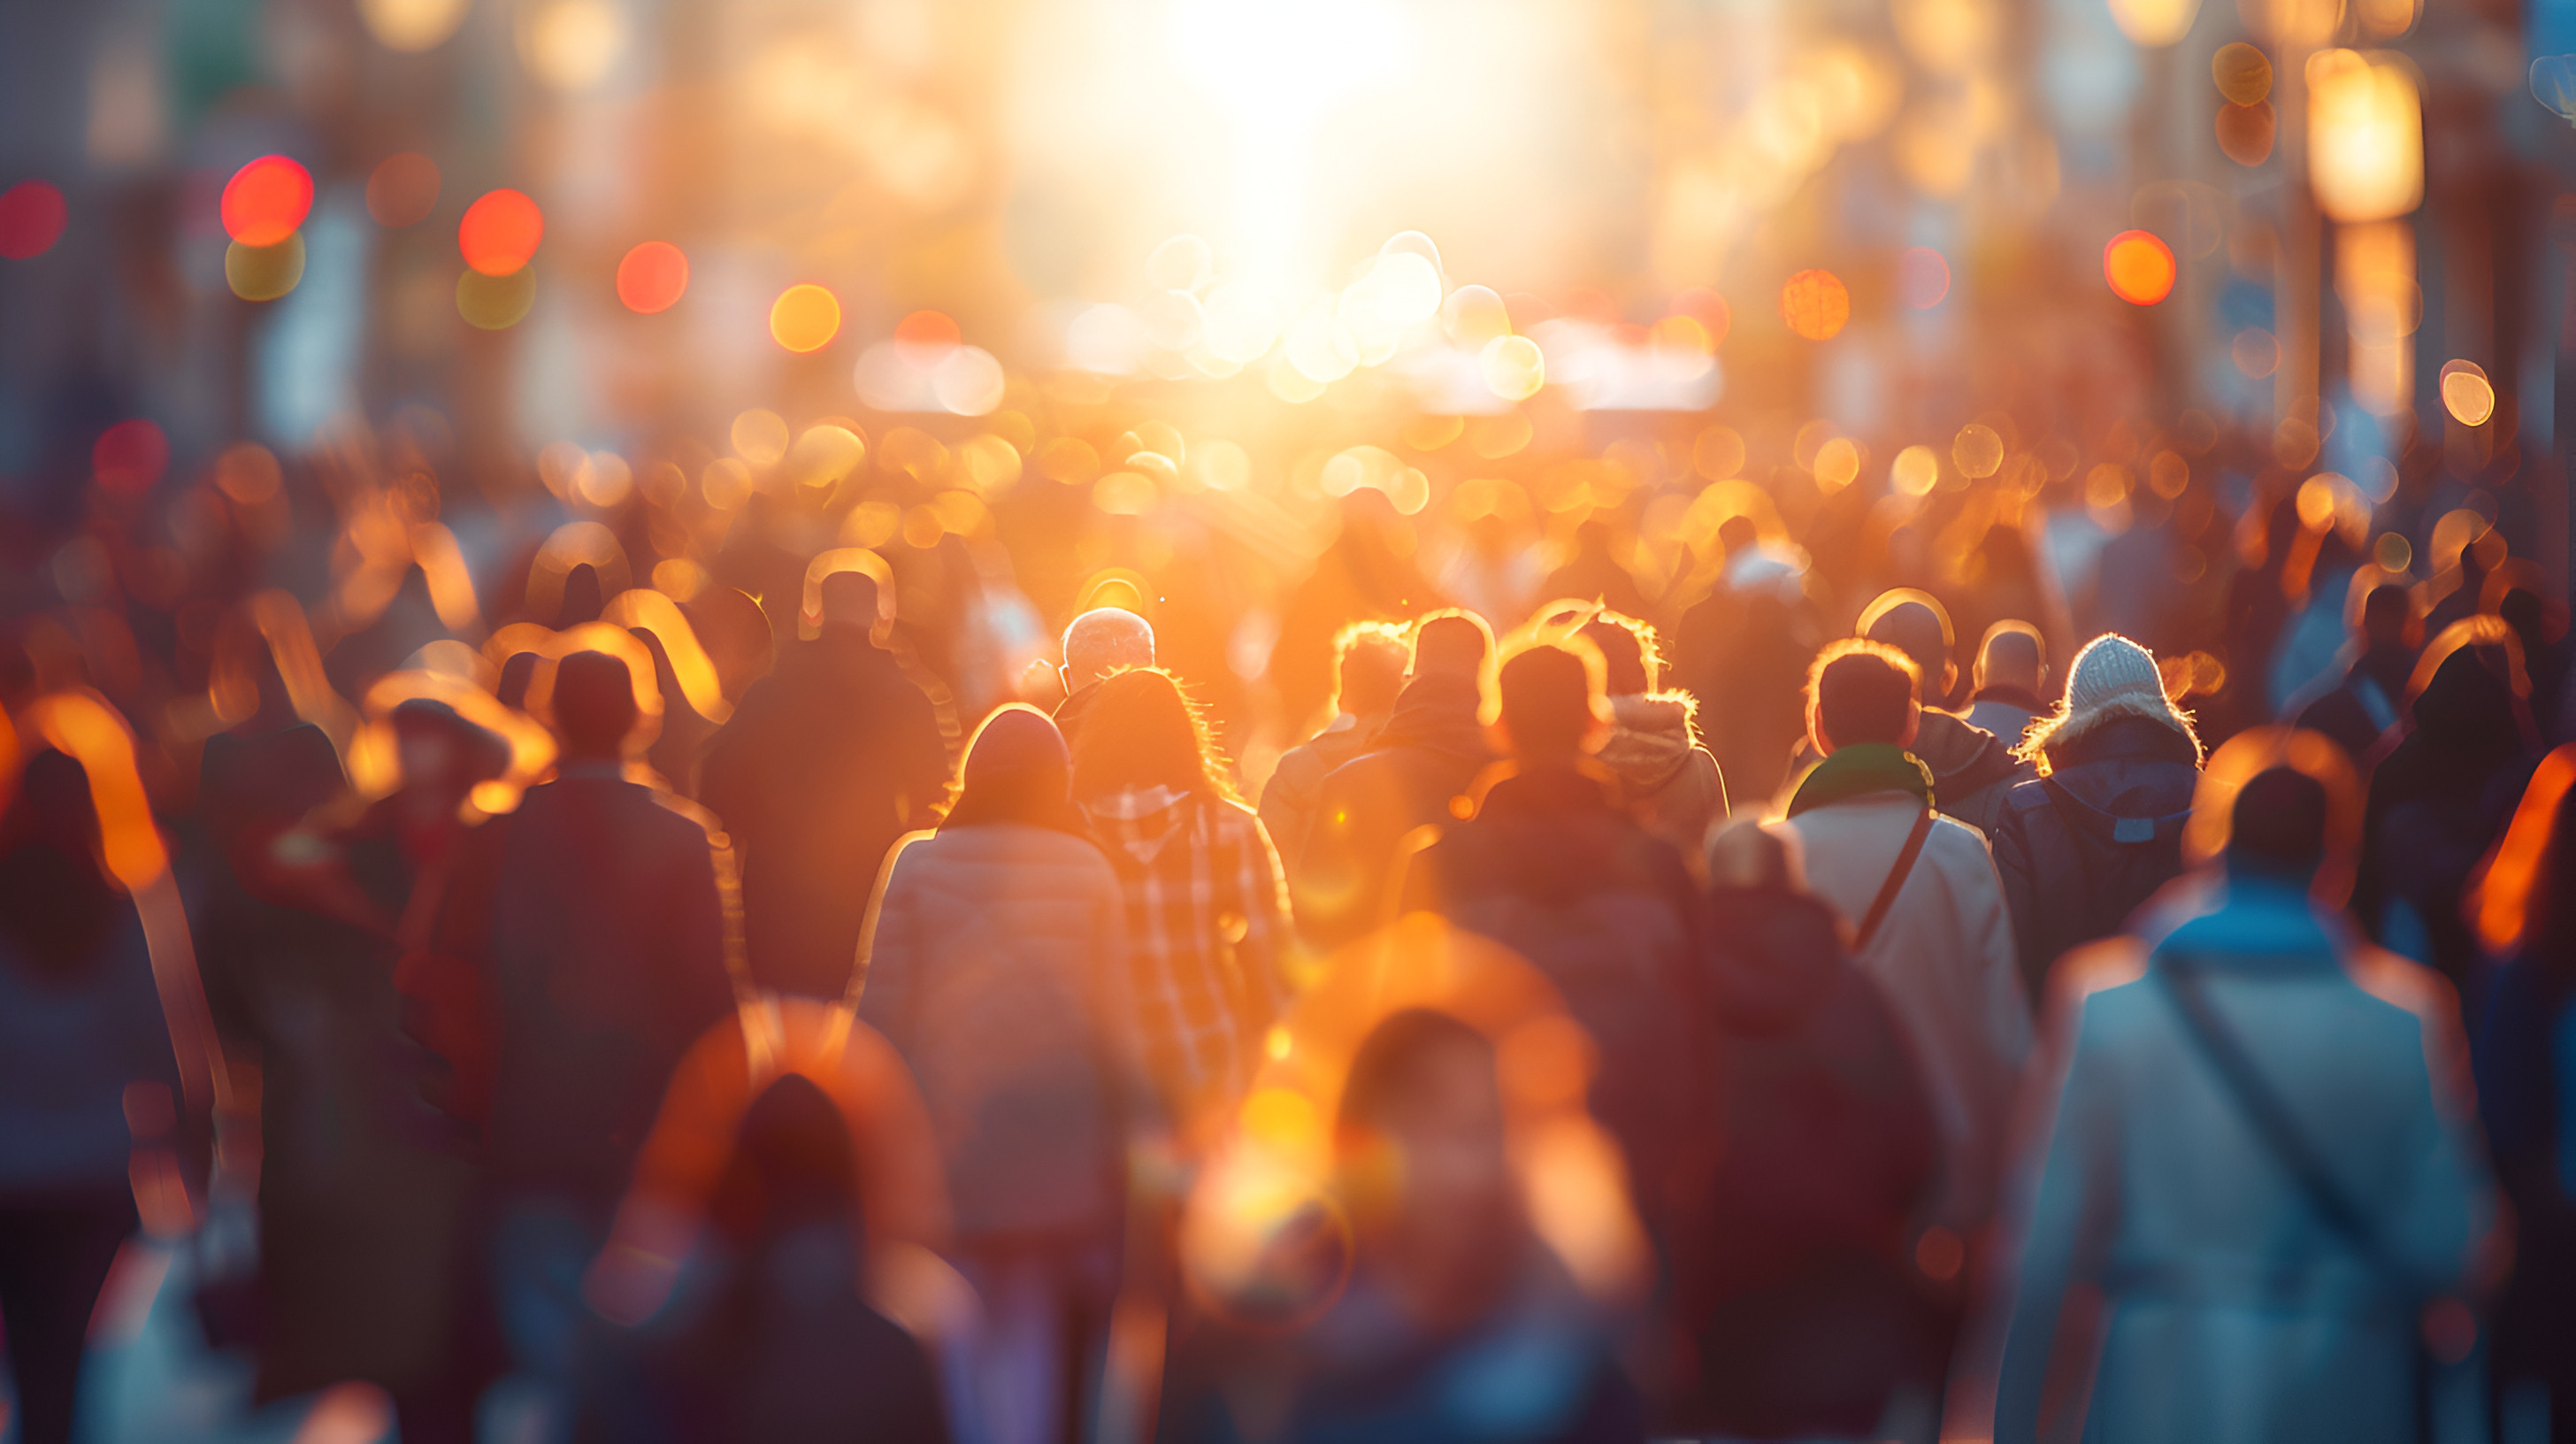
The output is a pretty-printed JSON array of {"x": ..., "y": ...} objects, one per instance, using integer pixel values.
[
  {"x": 1140, "y": 729},
  {"x": 1015, "y": 770}
]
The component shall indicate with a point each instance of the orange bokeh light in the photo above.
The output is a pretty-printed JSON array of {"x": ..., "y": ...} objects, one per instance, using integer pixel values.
[
  {"x": 500, "y": 232},
  {"x": 1815, "y": 304},
  {"x": 652, "y": 277},
  {"x": 266, "y": 200},
  {"x": 928, "y": 328},
  {"x": 2139, "y": 267},
  {"x": 805, "y": 318},
  {"x": 402, "y": 189}
]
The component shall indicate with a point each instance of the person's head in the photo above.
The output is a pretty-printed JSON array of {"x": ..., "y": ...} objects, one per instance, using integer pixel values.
[
  {"x": 1141, "y": 731},
  {"x": 1016, "y": 770},
  {"x": 1860, "y": 691},
  {"x": 2469, "y": 691},
  {"x": 517, "y": 674},
  {"x": 2277, "y": 828},
  {"x": 793, "y": 1166},
  {"x": 57, "y": 901},
  {"x": 849, "y": 601},
  {"x": 2279, "y": 804},
  {"x": 1102, "y": 641},
  {"x": 1632, "y": 664},
  {"x": 594, "y": 706},
  {"x": 1424, "y": 1147},
  {"x": 442, "y": 755},
  {"x": 2110, "y": 679},
  {"x": 2012, "y": 655},
  {"x": 2389, "y": 617},
  {"x": 1454, "y": 644},
  {"x": 1915, "y": 623},
  {"x": 1368, "y": 667},
  {"x": 1553, "y": 701}
]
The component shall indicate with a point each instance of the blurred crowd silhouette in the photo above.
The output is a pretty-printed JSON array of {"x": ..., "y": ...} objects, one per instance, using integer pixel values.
[{"x": 1812, "y": 991}]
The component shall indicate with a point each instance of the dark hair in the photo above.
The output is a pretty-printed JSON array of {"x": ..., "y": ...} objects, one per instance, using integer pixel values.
[
  {"x": 1863, "y": 692},
  {"x": 1015, "y": 770},
  {"x": 594, "y": 703},
  {"x": 1452, "y": 644},
  {"x": 57, "y": 903},
  {"x": 1629, "y": 656},
  {"x": 792, "y": 1164},
  {"x": 1368, "y": 666},
  {"x": 1141, "y": 730},
  {"x": 1547, "y": 693},
  {"x": 2385, "y": 611},
  {"x": 1387, "y": 1066},
  {"x": 2278, "y": 824},
  {"x": 480, "y": 756}
]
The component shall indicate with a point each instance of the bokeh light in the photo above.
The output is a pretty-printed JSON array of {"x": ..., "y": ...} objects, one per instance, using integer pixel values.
[
  {"x": 2243, "y": 73},
  {"x": 652, "y": 277},
  {"x": 2466, "y": 393},
  {"x": 805, "y": 318},
  {"x": 571, "y": 45},
  {"x": 2365, "y": 135},
  {"x": 1513, "y": 367},
  {"x": 1915, "y": 471},
  {"x": 1474, "y": 316},
  {"x": 2245, "y": 132},
  {"x": 129, "y": 456},
  {"x": 759, "y": 437},
  {"x": 264, "y": 273},
  {"x": 32, "y": 216},
  {"x": 1837, "y": 463},
  {"x": 1978, "y": 450},
  {"x": 412, "y": 24},
  {"x": 2152, "y": 24},
  {"x": 403, "y": 189},
  {"x": 2139, "y": 267},
  {"x": 496, "y": 303},
  {"x": 500, "y": 232},
  {"x": 266, "y": 200},
  {"x": 1815, "y": 304},
  {"x": 1922, "y": 277},
  {"x": 1183, "y": 263}
]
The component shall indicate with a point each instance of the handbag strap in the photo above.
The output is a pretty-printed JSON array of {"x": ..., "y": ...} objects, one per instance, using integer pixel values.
[
  {"x": 1896, "y": 875},
  {"x": 2273, "y": 1121}
]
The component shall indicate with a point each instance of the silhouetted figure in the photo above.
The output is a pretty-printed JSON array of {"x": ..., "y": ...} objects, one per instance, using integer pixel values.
[
  {"x": 1593, "y": 575},
  {"x": 1920, "y": 891},
  {"x": 1743, "y": 652},
  {"x": 1667, "y": 779},
  {"x": 2321, "y": 1080},
  {"x": 2101, "y": 829},
  {"x": 1418, "y": 770},
  {"x": 1807, "y": 1312},
  {"x": 83, "y": 1050},
  {"x": 772, "y": 1338},
  {"x": 997, "y": 965},
  {"x": 1552, "y": 867},
  {"x": 2012, "y": 668},
  {"x": 1207, "y": 906},
  {"x": 1369, "y": 659},
  {"x": 827, "y": 761},
  {"x": 592, "y": 917},
  {"x": 2358, "y": 707}
]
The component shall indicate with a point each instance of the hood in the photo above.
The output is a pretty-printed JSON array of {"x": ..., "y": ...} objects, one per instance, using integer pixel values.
[
  {"x": 1437, "y": 714},
  {"x": 1964, "y": 759},
  {"x": 1774, "y": 956},
  {"x": 1651, "y": 740},
  {"x": 2128, "y": 782},
  {"x": 2469, "y": 711}
]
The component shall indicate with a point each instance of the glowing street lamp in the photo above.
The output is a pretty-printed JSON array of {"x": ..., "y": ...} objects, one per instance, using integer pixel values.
[{"x": 2365, "y": 135}]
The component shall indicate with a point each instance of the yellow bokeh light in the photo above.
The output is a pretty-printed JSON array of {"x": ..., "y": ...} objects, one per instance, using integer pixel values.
[
  {"x": 2154, "y": 23},
  {"x": 1717, "y": 453},
  {"x": 2466, "y": 393},
  {"x": 824, "y": 455},
  {"x": 1838, "y": 463},
  {"x": 2243, "y": 73},
  {"x": 1915, "y": 471},
  {"x": 759, "y": 437},
  {"x": 571, "y": 45},
  {"x": 496, "y": 303},
  {"x": 1978, "y": 449},
  {"x": 2365, "y": 135},
  {"x": 412, "y": 24},
  {"x": 1474, "y": 316},
  {"x": 1512, "y": 367},
  {"x": 264, "y": 273},
  {"x": 805, "y": 318}
]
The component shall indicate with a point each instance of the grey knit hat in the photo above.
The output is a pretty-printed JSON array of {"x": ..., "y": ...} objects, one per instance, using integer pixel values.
[{"x": 2112, "y": 677}]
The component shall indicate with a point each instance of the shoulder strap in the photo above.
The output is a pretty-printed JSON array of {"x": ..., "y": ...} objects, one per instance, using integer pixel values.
[
  {"x": 2271, "y": 1117},
  {"x": 1896, "y": 875}
]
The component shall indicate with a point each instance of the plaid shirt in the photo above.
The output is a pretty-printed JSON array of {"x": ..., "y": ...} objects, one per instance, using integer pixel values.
[{"x": 1207, "y": 921}]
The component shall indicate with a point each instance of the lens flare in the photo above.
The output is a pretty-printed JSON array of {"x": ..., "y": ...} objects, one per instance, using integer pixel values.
[
  {"x": 266, "y": 200},
  {"x": 2139, "y": 268},
  {"x": 805, "y": 318},
  {"x": 652, "y": 277}
]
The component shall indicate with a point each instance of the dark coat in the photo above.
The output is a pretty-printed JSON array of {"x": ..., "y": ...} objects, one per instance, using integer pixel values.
[
  {"x": 1427, "y": 755},
  {"x": 1802, "y": 1298},
  {"x": 827, "y": 762},
  {"x": 1553, "y": 868},
  {"x": 2079, "y": 849},
  {"x": 2363, "y": 703}
]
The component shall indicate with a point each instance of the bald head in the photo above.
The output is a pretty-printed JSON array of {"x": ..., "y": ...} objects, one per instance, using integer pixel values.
[
  {"x": 1915, "y": 625},
  {"x": 2011, "y": 656},
  {"x": 1105, "y": 640}
]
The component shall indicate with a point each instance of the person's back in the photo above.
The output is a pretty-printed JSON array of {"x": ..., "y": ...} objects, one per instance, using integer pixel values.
[
  {"x": 1921, "y": 893},
  {"x": 1368, "y": 671},
  {"x": 827, "y": 761},
  {"x": 2255, "y": 1140},
  {"x": 1670, "y": 782},
  {"x": 2358, "y": 707},
  {"x": 2012, "y": 662},
  {"x": 2082, "y": 846}
]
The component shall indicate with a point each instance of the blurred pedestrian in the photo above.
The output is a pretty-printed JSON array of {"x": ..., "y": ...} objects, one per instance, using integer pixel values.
[
  {"x": 2011, "y": 671},
  {"x": 2101, "y": 828},
  {"x": 1368, "y": 671},
  {"x": 827, "y": 761},
  {"x": 997, "y": 965},
  {"x": 2255, "y": 1147},
  {"x": 1207, "y": 905},
  {"x": 1668, "y": 780},
  {"x": 2357, "y": 707}
]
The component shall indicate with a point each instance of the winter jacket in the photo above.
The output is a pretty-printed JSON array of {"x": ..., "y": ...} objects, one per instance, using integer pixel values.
[
  {"x": 1943, "y": 958},
  {"x": 2231, "y": 1310},
  {"x": 1288, "y": 799},
  {"x": 1805, "y": 1310},
  {"x": 1551, "y": 868},
  {"x": 2526, "y": 1063},
  {"x": 1670, "y": 782},
  {"x": 2005, "y": 711},
  {"x": 827, "y": 761},
  {"x": 2361, "y": 705},
  {"x": 997, "y": 967},
  {"x": 2079, "y": 849},
  {"x": 1972, "y": 768},
  {"x": 1417, "y": 770}
]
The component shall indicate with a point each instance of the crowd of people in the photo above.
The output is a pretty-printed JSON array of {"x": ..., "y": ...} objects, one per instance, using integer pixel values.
[{"x": 832, "y": 1008}]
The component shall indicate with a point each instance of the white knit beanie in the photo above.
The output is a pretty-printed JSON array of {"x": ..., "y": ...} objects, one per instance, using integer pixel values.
[{"x": 2112, "y": 677}]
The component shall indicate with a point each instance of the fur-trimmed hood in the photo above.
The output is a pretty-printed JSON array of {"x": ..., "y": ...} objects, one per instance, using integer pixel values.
[
  {"x": 1651, "y": 740},
  {"x": 2051, "y": 736}
]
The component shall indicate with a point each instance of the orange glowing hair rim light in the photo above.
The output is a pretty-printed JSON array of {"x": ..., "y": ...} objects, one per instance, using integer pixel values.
[{"x": 2502, "y": 892}]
